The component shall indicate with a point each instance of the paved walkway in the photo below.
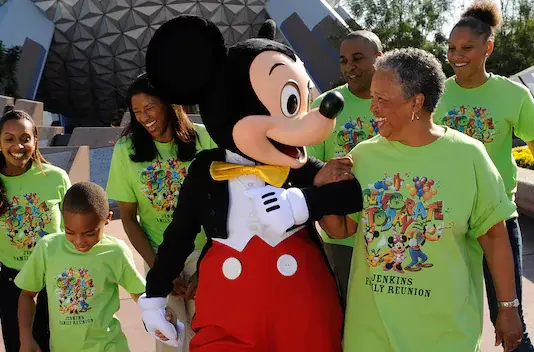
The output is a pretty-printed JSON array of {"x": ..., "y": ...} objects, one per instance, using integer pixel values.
[{"x": 140, "y": 341}]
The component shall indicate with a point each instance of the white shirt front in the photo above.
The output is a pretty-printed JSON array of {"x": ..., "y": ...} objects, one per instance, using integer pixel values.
[{"x": 242, "y": 222}]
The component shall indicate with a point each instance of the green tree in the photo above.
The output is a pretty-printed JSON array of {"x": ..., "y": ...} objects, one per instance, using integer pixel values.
[
  {"x": 8, "y": 68},
  {"x": 406, "y": 23},
  {"x": 514, "y": 42}
]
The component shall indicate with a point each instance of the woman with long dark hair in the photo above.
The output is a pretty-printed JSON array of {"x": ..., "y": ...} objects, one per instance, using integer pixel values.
[
  {"x": 31, "y": 191},
  {"x": 488, "y": 107},
  {"x": 148, "y": 166}
]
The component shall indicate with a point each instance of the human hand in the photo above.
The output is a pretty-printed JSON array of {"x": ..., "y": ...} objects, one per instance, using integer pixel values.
[
  {"x": 192, "y": 287},
  {"x": 185, "y": 289},
  {"x": 29, "y": 346},
  {"x": 180, "y": 287},
  {"x": 335, "y": 170},
  {"x": 508, "y": 329}
]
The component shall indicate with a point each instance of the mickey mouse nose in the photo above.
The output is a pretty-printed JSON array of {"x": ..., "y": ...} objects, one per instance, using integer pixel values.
[{"x": 332, "y": 105}]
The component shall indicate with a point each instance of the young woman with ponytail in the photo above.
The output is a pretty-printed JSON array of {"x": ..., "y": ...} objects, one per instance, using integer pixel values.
[
  {"x": 489, "y": 107},
  {"x": 31, "y": 191}
]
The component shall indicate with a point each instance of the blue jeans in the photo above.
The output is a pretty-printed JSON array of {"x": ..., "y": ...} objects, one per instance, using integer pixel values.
[{"x": 514, "y": 233}]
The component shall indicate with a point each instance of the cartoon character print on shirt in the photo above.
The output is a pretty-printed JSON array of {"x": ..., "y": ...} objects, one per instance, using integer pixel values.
[
  {"x": 354, "y": 131},
  {"x": 474, "y": 121},
  {"x": 162, "y": 181},
  {"x": 400, "y": 219},
  {"x": 73, "y": 288},
  {"x": 26, "y": 220}
]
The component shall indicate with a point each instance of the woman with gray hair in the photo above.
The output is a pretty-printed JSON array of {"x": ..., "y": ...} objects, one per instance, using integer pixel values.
[{"x": 434, "y": 204}]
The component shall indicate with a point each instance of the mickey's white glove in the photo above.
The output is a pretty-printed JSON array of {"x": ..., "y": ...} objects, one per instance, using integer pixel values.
[
  {"x": 153, "y": 315},
  {"x": 279, "y": 209}
]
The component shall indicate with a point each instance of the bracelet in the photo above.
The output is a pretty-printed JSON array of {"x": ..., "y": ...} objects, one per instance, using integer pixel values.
[{"x": 511, "y": 304}]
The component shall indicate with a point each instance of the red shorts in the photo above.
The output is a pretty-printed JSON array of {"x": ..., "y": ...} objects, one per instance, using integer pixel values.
[{"x": 267, "y": 299}]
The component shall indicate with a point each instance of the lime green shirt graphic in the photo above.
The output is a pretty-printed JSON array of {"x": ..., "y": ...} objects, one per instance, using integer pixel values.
[
  {"x": 83, "y": 291},
  {"x": 34, "y": 210},
  {"x": 416, "y": 277},
  {"x": 490, "y": 113},
  {"x": 354, "y": 124},
  {"x": 153, "y": 185}
]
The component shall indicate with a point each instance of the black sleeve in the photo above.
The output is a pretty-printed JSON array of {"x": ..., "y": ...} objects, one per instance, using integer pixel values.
[
  {"x": 338, "y": 198},
  {"x": 304, "y": 176},
  {"x": 179, "y": 237}
]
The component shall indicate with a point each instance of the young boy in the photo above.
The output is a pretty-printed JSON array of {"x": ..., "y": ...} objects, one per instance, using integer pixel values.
[{"x": 82, "y": 270}]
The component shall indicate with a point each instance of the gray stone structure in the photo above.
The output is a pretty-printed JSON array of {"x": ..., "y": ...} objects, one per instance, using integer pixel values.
[{"x": 99, "y": 47}]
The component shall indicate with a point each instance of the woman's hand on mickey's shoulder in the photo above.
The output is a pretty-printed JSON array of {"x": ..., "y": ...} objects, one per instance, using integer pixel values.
[{"x": 335, "y": 170}]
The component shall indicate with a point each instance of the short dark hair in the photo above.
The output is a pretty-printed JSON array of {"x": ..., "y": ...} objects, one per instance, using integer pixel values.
[
  {"x": 483, "y": 18},
  {"x": 367, "y": 36},
  {"x": 86, "y": 197}
]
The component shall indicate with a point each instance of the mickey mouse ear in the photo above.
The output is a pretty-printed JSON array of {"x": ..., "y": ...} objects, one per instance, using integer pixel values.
[
  {"x": 267, "y": 30},
  {"x": 183, "y": 58}
]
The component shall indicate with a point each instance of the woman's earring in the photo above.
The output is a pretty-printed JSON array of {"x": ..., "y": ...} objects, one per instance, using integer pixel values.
[{"x": 414, "y": 116}]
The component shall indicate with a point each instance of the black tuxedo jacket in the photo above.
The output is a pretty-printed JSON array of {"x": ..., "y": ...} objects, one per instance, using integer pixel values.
[{"x": 204, "y": 202}]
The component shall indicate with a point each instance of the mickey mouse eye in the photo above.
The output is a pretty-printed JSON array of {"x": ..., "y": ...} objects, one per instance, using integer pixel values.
[{"x": 290, "y": 100}]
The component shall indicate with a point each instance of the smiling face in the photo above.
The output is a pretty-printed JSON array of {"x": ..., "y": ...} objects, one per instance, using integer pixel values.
[
  {"x": 152, "y": 114},
  {"x": 392, "y": 111},
  {"x": 18, "y": 142},
  {"x": 84, "y": 230},
  {"x": 285, "y": 90},
  {"x": 468, "y": 52},
  {"x": 356, "y": 57}
]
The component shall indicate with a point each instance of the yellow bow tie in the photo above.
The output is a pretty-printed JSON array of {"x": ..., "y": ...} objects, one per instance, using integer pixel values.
[{"x": 271, "y": 174}]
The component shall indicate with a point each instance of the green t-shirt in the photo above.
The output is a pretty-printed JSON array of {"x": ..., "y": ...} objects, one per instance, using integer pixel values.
[
  {"x": 83, "y": 291},
  {"x": 489, "y": 113},
  {"x": 34, "y": 201},
  {"x": 416, "y": 277},
  {"x": 154, "y": 185},
  {"x": 354, "y": 124}
]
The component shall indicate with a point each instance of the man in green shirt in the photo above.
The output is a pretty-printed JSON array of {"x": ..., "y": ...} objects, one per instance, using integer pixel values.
[{"x": 354, "y": 124}]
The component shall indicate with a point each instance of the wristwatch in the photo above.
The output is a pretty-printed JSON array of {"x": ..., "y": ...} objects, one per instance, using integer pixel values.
[{"x": 511, "y": 304}]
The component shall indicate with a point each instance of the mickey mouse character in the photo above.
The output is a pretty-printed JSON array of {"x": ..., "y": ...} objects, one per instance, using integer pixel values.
[{"x": 263, "y": 281}]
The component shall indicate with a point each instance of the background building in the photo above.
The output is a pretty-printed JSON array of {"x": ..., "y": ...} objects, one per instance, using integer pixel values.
[{"x": 82, "y": 54}]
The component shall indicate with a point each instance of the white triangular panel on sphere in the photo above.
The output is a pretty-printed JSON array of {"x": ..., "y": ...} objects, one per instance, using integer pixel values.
[{"x": 45, "y": 5}]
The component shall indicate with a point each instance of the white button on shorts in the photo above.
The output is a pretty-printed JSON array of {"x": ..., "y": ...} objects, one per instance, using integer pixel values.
[
  {"x": 287, "y": 265},
  {"x": 232, "y": 268}
]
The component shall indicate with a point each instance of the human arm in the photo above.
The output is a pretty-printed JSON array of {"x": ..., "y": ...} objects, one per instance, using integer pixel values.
[
  {"x": 178, "y": 243},
  {"x": 338, "y": 227},
  {"x": 130, "y": 278},
  {"x": 121, "y": 188},
  {"x": 135, "y": 232},
  {"x": 490, "y": 210},
  {"x": 524, "y": 127},
  {"x": 31, "y": 280},
  {"x": 135, "y": 296},
  {"x": 26, "y": 313},
  {"x": 179, "y": 236},
  {"x": 498, "y": 254}
]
